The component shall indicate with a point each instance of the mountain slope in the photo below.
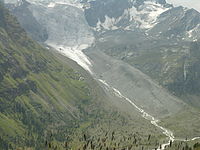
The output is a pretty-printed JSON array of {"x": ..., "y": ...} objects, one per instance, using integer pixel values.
[
  {"x": 34, "y": 83},
  {"x": 156, "y": 38},
  {"x": 45, "y": 103},
  {"x": 140, "y": 35}
]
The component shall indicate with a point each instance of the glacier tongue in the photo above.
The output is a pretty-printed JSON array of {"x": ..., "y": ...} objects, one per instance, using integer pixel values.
[
  {"x": 68, "y": 31},
  {"x": 150, "y": 12},
  {"x": 146, "y": 15},
  {"x": 75, "y": 53}
]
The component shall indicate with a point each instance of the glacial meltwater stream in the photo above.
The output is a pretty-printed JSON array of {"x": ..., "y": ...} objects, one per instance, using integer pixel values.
[
  {"x": 83, "y": 60},
  {"x": 148, "y": 117}
]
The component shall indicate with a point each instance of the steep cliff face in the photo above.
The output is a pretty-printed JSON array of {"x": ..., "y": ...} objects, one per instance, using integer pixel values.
[{"x": 185, "y": 82}]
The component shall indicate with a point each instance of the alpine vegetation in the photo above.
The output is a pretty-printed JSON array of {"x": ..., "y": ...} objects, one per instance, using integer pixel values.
[{"x": 99, "y": 75}]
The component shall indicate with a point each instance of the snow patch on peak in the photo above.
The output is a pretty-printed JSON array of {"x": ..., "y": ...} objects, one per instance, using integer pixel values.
[
  {"x": 51, "y": 5},
  {"x": 193, "y": 33},
  {"x": 108, "y": 24},
  {"x": 146, "y": 15}
]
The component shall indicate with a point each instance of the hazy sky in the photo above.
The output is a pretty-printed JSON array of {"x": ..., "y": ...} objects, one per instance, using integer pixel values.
[{"x": 188, "y": 3}]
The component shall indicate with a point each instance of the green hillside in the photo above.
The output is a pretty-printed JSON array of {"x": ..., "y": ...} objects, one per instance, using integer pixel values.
[
  {"x": 45, "y": 104},
  {"x": 36, "y": 91}
]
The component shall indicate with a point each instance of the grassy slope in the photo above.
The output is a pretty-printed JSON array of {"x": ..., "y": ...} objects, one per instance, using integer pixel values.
[
  {"x": 44, "y": 102},
  {"x": 32, "y": 83}
]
